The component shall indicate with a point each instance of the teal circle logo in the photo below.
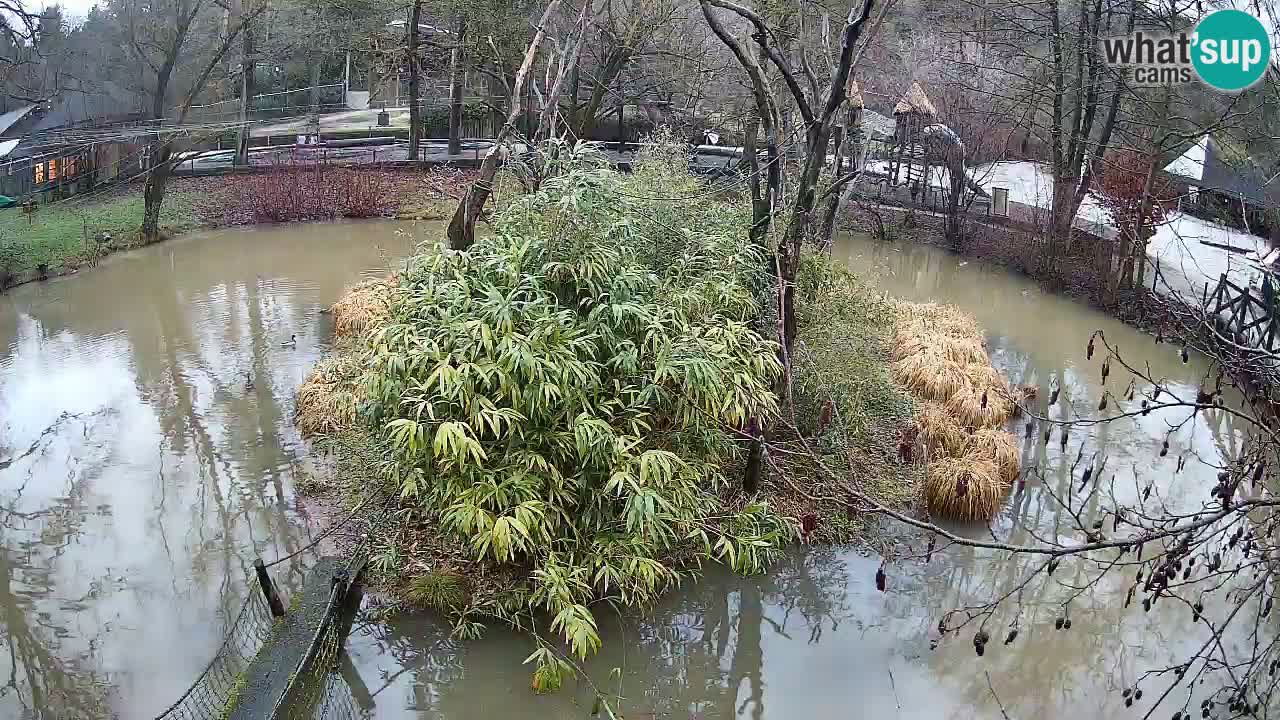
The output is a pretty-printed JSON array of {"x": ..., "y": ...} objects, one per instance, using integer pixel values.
[{"x": 1231, "y": 50}]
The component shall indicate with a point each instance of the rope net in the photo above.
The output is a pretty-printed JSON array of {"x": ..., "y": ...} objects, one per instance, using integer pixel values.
[
  {"x": 324, "y": 693},
  {"x": 319, "y": 691},
  {"x": 216, "y": 688}
]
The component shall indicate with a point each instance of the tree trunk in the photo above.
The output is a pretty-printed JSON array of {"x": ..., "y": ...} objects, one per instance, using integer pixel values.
[
  {"x": 833, "y": 193},
  {"x": 415, "y": 117},
  {"x": 248, "y": 87},
  {"x": 608, "y": 74},
  {"x": 153, "y": 192},
  {"x": 1140, "y": 253},
  {"x": 571, "y": 117},
  {"x": 316, "y": 62},
  {"x": 455, "y": 90},
  {"x": 551, "y": 106},
  {"x": 954, "y": 196}
]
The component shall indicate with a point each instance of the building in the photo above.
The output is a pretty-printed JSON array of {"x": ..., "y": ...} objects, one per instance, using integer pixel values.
[
  {"x": 71, "y": 144},
  {"x": 1215, "y": 186}
]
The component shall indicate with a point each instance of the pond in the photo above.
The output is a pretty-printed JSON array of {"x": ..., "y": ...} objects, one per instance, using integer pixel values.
[{"x": 140, "y": 475}]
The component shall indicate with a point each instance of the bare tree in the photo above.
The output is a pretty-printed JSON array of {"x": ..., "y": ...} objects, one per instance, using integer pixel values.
[
  {"x": 415, "y": 69},
  {"x": 462, "y": 227},
  {"x": 455, "y": 86},
  {"x": 169, "y": 38}
]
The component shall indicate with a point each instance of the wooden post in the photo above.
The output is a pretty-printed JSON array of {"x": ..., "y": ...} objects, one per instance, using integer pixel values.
[{"x": 268, "y": 588}]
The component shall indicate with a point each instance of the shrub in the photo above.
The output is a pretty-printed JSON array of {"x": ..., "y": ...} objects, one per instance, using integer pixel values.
[
  {"x": 557, "y": 396},
  {"x": 10, "y": 261},
  {"x": 297, "y": 191}
]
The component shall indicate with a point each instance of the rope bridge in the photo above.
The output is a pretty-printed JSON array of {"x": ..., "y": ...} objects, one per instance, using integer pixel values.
[{"x": 288, "y": 665}]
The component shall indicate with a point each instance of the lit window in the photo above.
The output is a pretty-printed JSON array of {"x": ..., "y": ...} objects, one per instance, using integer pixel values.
[
  {"x": 39, "y": 173},
  {"x": 68, "y": 167},
  {"x": 53, "y": 169}
]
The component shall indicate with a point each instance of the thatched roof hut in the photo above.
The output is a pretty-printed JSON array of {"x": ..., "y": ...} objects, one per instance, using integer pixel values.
[
  {"x": 915, "y": 102},
  {"x": 854, "y": 94}
]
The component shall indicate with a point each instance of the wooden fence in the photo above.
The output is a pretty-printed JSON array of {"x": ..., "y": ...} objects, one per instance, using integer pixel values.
[{"x": 1247, "y": 315}]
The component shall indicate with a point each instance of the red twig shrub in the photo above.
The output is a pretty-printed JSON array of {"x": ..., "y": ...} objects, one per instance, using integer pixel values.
[
  {"x": 361, "y": 194},
  {"x": 1122, "y": 184},
  {"x": 296, "y": 191}
]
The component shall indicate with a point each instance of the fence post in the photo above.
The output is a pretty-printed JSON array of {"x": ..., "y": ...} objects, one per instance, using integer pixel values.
[{"x": 268, "y": 588}]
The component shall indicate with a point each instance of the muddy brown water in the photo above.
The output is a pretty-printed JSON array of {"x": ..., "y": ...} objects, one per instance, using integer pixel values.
[{"x": 140, "y": 476}]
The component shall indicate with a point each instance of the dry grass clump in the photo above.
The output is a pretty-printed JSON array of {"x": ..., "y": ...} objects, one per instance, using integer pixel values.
[
  {"x": 963, "y": 350},
  {"x": 930, "y": 377},
  {"x": 362, "y": 307},
  {"x": 963, "y": 404},
  {"x": 964, "y": 488},
  {"x": 939, "y": 320},
  {"x": 975, "y": 408},
  {"x": 939, "y": 431},
  {"x": 328, "y": 397},
  {"x": 998, "y": 445}
]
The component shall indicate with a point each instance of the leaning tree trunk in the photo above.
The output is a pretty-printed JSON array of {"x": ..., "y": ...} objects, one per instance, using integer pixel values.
[
  {"x": 153, "y": 191},
  {"x": 462, "y": 228},
  {"x": 834, "y": 194}
]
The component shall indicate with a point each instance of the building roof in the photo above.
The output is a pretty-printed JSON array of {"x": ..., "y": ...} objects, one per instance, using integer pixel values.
[
  {"x": 878, "y": 126},
  {"x": 1205, "y": 165},
  {"x": 8, "y": 119},
  {"x": 915, "y": 101},
  {"x": 1190, "y": 164},
  {"x": 110, "y": 103},
  {"x": 7, "y": 146}
]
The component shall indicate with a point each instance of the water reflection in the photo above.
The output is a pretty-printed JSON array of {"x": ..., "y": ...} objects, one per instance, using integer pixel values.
[
  {"x": 140, "y": 473},
  {"x": 814, "y": 638}
]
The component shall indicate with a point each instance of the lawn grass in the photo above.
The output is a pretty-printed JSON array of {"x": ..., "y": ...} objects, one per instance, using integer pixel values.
[{"x": 63, "y": 235}]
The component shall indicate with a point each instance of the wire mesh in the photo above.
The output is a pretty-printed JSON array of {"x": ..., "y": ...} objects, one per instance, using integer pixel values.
[
  {"x": 320, "y": 691},
  {"x": 217, "y": 686},
  {"x": 309, "y": 698},
  {"x": 325, "y": 694}
]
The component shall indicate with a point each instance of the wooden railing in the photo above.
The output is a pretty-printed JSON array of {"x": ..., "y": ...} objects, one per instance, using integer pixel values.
[{"x": 1247, "y": 315}]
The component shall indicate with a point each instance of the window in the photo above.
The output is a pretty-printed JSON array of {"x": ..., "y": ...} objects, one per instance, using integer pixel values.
[
  {"x": 39, "y": 173},
  {"x": 53, "y": 169},
  {"x": 68, "y": 166}
]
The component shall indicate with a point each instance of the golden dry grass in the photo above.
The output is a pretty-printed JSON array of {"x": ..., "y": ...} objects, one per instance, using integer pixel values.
[
  {"x": 969, "y": 408},
  {"x": 929, "y": 377},
  {"x": 327, "y": 399},
  {"x": 939, "y": 431},
  {"x": 910, "y": 341},
  {"x": 361, "y": 307},
  {"x": 964, "y": 488},
  {"x": 933, "y": 319},
  {"x": 998, "y": 445},
  {"x": 963, "y": 402}
]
